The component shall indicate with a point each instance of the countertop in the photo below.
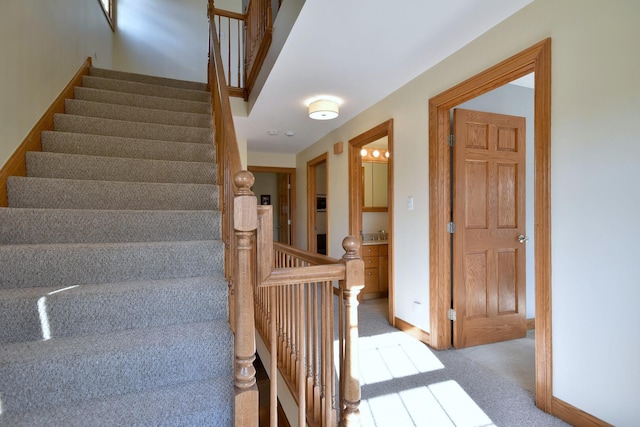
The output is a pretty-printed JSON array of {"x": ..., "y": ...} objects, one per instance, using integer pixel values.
[{"x": 375, "y": 242}]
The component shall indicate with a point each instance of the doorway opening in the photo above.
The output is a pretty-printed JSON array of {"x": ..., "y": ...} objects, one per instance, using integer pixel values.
[
  {"x": 371, "y": 208},
  {"x": 276, "y": 186},
  {"x": 537, "y": 60},
  {"x": 317, "y": 205}
]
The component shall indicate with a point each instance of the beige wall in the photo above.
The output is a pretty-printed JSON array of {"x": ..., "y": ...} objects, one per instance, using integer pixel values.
[
  {"x": 42, "y": 45},
  {"x": 595, "y": 151},
  {"x": 164, "y": 38}
]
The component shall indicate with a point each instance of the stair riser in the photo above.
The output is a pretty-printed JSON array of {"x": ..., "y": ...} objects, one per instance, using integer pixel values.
[
  {"x": 80, "y": 167},
  {"x": 145, "y": 89},
  {"x": 143, "y": 101},
  {"x": 101, "y": 309},
  {"x": 29, "y": 226},
  {"x": 207, "y": 403},
  {"x": 141, "y": 78},
  {"x": 121, "y": 128},
  {"x": 135, "y": 114},
  {"x": 74, "y": 194},
  {"x": 68, "y": 265},
  {"x": 111, "y": 146},
  {"x": 62, "y": 379}
]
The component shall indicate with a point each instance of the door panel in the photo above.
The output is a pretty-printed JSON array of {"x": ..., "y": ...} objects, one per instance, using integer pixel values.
[{"x": 489, "y": 213}]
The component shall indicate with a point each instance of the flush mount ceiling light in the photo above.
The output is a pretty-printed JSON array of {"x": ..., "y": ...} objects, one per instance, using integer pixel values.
[{"x": 323, "y": 109}]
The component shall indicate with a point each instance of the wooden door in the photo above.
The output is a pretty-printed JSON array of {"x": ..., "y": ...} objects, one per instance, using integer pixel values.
[
  {"x": 489, "y": 217},
  {"x": 284, "y": 219}
]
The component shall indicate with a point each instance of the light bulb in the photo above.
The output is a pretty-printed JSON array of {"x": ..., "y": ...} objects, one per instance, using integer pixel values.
[
  {"x": 363, "y": 152},
  {"x": 376, "y": 153},
  {"x": 387, "y": 154}
]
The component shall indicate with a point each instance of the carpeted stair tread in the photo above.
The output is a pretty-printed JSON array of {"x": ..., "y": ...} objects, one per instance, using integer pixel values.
[
  {"x": 113, "y": 295},
  {"x": 20, "y": 226},
  {"x": 43, "y": 313},
  {"x": 123, "y": 128},
  {"x": 143, "y": 78},
  {"x": 55, "y": 193},
  {"x": 144, "y": 101},
  {"x": 82, "y": 167},
  {"x": 205, "y": 403},
  {"x": 26, "y": 266},
  {"x": 48, "y": 373},
  {"x": 145, "y": 89},
  {"x": 136, "y": 114},
  {"x": 113, "y": 146}
]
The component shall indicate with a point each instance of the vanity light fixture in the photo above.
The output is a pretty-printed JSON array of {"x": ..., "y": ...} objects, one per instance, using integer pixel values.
[
  {"x": 387, "y": 154},
  {"x": 376, "y": 153},
  {"x": 323, "y": 109},
  {"x": 363, "y": 152}
]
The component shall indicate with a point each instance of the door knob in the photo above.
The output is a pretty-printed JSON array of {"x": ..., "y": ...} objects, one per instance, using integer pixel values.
[{"x": 522, "y": 238}]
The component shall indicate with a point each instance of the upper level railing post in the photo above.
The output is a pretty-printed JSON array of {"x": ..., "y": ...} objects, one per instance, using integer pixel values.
[
  {"x": 245, "y": 218},
  {"x": 351, "y": 287}
]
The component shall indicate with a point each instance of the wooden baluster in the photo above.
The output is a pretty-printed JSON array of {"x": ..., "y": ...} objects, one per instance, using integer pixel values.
[
  {"x": 300, "y": 357},
  {"x": 245, "y": 223},
  {"x": 273, "y": 369},
  {"x": 317, "y": 346},
  {"x": 309, "y": 362},
  {"x": 351, "y": 287}
]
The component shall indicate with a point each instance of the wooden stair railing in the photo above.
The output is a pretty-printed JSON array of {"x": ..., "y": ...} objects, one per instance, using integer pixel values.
[
  {"x": 237, "y": 247},
  {"x": 294, "y": 313}
]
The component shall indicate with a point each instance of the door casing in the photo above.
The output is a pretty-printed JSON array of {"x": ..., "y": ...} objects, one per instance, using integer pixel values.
[
  {"x": 536, "y": 59},
  {"x": 355, "y": 193},
  {"x": 292, "y": 196},
  {"x": 312, "y": 166}
]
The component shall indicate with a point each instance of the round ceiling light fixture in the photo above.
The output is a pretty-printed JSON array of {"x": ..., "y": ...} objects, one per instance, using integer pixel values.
[{"x": 323, "y": 109}]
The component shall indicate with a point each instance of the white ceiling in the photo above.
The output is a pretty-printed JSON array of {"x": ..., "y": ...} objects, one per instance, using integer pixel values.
[{"x": 359, "y": 51}]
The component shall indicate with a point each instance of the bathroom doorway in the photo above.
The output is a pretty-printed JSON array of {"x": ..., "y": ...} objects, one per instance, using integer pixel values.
[{"x": 371, "y": 215}]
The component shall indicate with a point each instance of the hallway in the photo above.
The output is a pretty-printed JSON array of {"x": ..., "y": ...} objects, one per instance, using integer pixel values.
[{"x": 405, "y": 383}]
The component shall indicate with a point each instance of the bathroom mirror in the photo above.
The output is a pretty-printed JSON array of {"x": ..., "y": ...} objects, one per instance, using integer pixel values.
[{"x": 374, "y": 186}]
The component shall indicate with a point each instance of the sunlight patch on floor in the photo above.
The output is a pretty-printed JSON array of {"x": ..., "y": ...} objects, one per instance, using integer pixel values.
[
  {"x": 394, "y": 355},
  {"x": 443, "y": 404},
  {"x": 44, "y": 317}
]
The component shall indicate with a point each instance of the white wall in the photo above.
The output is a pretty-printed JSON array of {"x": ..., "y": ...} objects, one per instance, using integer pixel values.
[
  {"x": 272, "y": 160},
  {"x": 164, "y": 38},
  {"x": 42, "y": 45},
  {"x": 594, "y": 179}
]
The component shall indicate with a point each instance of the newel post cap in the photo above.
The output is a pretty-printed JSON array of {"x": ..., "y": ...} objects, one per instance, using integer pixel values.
[{"x": 244, "y": 180}]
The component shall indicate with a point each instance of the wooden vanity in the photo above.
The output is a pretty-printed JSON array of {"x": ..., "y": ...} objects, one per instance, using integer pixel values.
[{"x": 376, "y": 269}]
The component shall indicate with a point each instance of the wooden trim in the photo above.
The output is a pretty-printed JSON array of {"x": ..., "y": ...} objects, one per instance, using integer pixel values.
[
  {"x": 413, "y": 331},
  {"x": 534, "y": 59},
  {"x": 355, "y": 194},
  {"x": 575, "y": 416},
  {"x": 292, "y": 197},
  {"x": 16, "y": 165},
  {"x": 109, "y": 14},
  {"x": 531, "y": 324}
]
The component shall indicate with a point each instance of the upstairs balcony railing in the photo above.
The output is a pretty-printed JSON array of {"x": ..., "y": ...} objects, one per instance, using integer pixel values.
[{"x": 244, "y": 42}]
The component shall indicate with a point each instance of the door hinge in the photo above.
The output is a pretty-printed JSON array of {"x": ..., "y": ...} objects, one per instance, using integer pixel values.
[
  {"x": 288, "y": 186},
  {"x": 451, "y": 314},
  {"x": 452, "y": 140},
  {"x": 451, "y": 227},
  {"x": 288, "y": 222}
]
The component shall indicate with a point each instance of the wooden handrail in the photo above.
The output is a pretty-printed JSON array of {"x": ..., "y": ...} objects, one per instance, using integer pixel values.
[
  {"x": 259, "y": 33},
  {"x": 231, "y": 26}
]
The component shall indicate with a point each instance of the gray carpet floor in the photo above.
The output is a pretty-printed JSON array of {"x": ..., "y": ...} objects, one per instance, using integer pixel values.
[{"x": 405, "y": 383}]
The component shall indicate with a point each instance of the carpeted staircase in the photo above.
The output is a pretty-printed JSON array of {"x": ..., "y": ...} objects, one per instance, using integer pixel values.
[{"x": 113, "y": 301}]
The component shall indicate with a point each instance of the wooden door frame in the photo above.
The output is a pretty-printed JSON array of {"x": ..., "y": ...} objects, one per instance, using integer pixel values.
[
  {"x": 536, "y": 59},
  {"x": 355, "y": 193},
  {"x": 312, "y": 165},
  {"x": 292, "y": 196}
]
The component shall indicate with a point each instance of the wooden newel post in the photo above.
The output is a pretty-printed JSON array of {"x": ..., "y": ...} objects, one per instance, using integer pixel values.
[
  {"x": 245, "y": 220},
  {"x": 351, "y": 287}
]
